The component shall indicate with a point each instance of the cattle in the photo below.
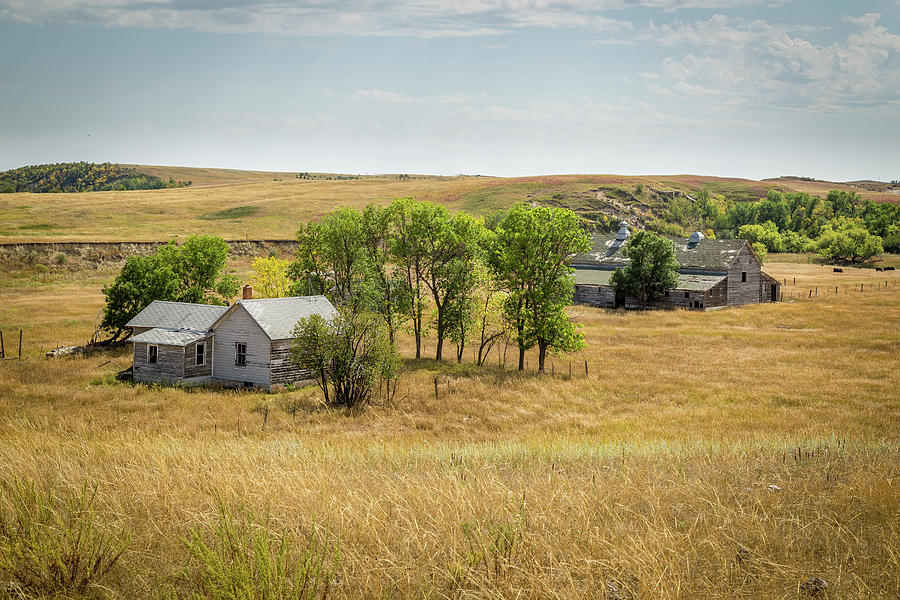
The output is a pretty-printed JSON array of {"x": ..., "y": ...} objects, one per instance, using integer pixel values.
[
  {"x": 890, "y": 269},
  {"x": 879, "y": 269},
  {"x": 836, "y": 270}
]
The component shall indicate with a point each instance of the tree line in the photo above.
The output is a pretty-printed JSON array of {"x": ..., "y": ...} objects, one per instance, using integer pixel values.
[
  {"x": 840, "y": 227},
  {"x": 81, "y": 177}
]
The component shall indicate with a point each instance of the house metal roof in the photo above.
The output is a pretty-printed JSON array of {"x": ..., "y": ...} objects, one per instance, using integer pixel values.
[
  {"x": 708, "y": 254},
  {"x": 178, "y": 315},
  {"x": 278, "y": 316},
  {"x": 687, "y": 282},
  {"x": 169, "y": 337}
]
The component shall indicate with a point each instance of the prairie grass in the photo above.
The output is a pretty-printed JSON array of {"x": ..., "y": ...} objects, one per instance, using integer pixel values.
[
  {"x": 250, "y": 205},
  {"x": 649, "y": 477}
]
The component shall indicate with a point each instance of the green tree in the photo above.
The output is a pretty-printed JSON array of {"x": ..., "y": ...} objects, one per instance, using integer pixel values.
[
  {"x": 653, "y": 268},
  {"x": 530, "y": 258},
  {"x": 848, "y": 241},
  {"x": 766, "y": 234},
  {"x": 191, "y": 272},
  {"x": 348, "y": 354},
  {"x": 331, "y": 258},
  {"x": 384, "y": 287}
]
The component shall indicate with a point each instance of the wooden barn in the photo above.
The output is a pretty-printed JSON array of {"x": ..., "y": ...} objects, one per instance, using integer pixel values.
[
  {"x": 247, "y": 344},
  {"x": 712, "y": 274}
]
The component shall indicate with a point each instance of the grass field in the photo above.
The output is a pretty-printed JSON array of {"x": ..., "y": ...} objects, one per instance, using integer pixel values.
[
  {"x": 253, "y": 205},
  {"x": 651, "y": 472}
]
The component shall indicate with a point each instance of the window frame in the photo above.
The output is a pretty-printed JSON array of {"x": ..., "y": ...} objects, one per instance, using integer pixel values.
[
  {"x": 200, "y": 354},
  {"x": 240, "y": 358},
  {"x": 743, "y": 276},
  {"x": 155, "y": 354}
]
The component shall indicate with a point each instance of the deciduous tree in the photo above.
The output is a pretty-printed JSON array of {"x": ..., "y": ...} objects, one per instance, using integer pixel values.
[{"x": 653, "y": 268}]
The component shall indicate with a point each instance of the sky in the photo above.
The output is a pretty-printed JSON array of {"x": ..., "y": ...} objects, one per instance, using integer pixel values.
[{"x": 737, "y": 88}]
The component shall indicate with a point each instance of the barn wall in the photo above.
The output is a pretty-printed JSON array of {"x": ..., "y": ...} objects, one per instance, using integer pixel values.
[
  {"x": 744, "y": 292},
  {"x": 595, "y": 295},
  {"x": 766, "y": 284},
  {"x": 239, "y": 326},
  {"x": 191, "y": 369},
  {"x": 282, "y": 369},
  {"x": 168, "y": 369},
  {"x": 717, "y": 296}
]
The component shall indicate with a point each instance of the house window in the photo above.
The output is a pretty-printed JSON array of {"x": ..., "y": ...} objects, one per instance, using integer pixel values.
[
  {"x": 667, "y": 293},
  {"x": 152, "y": 355},
  {"x": 240, "y": 354},
  {"x": 201, "y": 354},
  {"x": 696, "y": 304},
  {"x": 687, "y": 294},
  {"x": 743, "y": 276}
]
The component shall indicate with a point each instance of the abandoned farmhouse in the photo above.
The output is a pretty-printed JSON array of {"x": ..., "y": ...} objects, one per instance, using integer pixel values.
[
  {"x": 712, "y": 274},
  {"x": 246, "y": 344}
]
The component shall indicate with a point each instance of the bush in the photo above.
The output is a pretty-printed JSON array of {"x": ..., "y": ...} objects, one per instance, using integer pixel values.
[
  {"x": 54, "y": 545},
  {"x": 241, "y": 559}
]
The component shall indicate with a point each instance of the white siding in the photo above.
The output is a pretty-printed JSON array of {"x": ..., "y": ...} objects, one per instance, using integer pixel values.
[{"x": 239, "y": 326}]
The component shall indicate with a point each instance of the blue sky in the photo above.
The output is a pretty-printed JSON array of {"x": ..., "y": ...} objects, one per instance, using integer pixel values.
[{"x": 715, "y": 87}]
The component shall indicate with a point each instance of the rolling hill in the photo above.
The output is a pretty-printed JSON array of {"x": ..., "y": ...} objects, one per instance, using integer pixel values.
[{"x": 270, "y": 205}]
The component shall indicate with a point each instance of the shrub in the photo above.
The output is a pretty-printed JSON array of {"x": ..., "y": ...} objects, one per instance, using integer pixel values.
[
  {"x": 61, "y": 258},
  {"x": 54, "y": 545},
  {"x": 242, "y": 559}
]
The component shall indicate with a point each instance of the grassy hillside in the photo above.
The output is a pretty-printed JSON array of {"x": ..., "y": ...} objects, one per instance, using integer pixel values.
[
  {"x": 252, "y": 204},
  {"x": 651, "y": 472}
]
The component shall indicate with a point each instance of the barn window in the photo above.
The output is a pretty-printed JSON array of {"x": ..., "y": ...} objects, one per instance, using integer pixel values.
[
  {"x": 240, "y": 354},
  {"x": 687, "y": 294},
  {"x": 667, "y": 293},
  {"x": 696, "y": 304},
  {"x": 743, "y": 276},
  {"x": 152, "y": 355},
  {"x": 201, "y": 354}
]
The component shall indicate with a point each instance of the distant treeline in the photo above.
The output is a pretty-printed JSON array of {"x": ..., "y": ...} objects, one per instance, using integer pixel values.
[{"x": 81, "y": 177}]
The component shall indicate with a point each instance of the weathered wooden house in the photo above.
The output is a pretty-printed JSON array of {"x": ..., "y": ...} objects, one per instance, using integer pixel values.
[
  {"x": 246, "y": 344},
  {"x": 712, "y": 274}
]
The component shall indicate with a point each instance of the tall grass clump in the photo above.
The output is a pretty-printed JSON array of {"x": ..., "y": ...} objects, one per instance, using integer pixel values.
[
  {"x": 52, "y": 544},
  {"x": 242, "y": 559}
]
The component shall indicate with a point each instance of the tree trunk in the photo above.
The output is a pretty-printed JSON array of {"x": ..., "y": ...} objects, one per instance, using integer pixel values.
[
  {"x": 542, "y": 355},
  {"x": 521, "y": 358},
  {"x": 438, "y": 354}
]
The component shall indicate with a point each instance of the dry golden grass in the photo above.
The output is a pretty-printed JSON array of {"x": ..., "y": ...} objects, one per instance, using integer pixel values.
[
  {"x": 266, "y": 209},
  {"x": 651, "y": 472}
]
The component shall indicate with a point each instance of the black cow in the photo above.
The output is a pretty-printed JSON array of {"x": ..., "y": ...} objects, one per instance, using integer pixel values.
[
  {"x": 890, "y": 269},
  {"x": 836, "y": 270},
  {"x": 879, "y": 269}
]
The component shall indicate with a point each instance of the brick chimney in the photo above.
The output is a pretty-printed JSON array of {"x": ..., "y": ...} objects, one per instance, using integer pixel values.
[{"x": 247, "y": 292}]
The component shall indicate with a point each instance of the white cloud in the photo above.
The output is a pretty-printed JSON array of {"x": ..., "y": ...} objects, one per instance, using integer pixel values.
[
  {"x": 756, "y": 65},
  {"x": 384, "y": 96},
  {"x": 419, "y": 18}
]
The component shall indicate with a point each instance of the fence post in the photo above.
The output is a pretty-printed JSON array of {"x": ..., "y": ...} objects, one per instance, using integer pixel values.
[
  {"x": 835, "y": 290},
  {"x": 810, "y": 294},
  {"x": 817, "y": 290},
  {"x": 2, "y": 347},
  {"x": 20, "y": 343},
  {"x": 585, "y": 369},
  {"x": 435, "y": 389},
  {"x": 862, "y": 287},
  {"x": 795, "y": 281}
]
